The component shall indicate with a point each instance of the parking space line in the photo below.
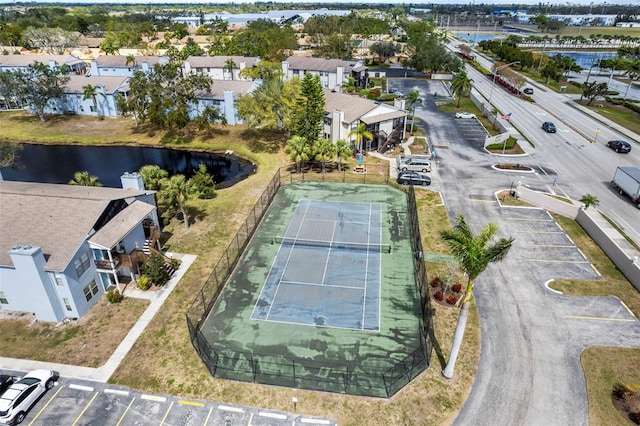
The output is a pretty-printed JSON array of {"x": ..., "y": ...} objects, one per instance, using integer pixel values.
[
  {"x": 117, "y": 392},
  {"x": 524, "y": 219},
  {"x": 125, "y": 411},
  {"x": 192, "y": 403},
  {"x": 153, "y": 398},
  {"x": 599, "y": 318},
  {"x": 166, "y": 414},
  {"x": 206, "y": 421},
  {"x": 478, "y": 200},
  {"x": 540, "y": 232},
  {"x": 558, "y": 261},
  {"x": 45, "y": 406},
  {"x": 227, "y": 408},
  {"x": 548, "y": 245},
  {"x": 315, "y": 421},
  {"x": 85, "y": 409}
]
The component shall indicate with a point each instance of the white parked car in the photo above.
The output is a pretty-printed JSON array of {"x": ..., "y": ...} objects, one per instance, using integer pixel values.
[
  {"x": 465, "y": 115},
  {"x": 16, "y": 401}
]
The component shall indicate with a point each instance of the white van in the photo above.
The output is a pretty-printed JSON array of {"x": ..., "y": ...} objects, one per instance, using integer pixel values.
[{"x": 415, "y": 163}]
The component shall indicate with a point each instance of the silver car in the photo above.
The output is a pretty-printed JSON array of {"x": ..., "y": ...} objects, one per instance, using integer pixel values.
[{"x": 16, "y": 401}]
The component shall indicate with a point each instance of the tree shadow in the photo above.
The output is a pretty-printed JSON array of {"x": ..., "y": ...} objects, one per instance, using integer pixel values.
[{"x": 436, "y": 344}]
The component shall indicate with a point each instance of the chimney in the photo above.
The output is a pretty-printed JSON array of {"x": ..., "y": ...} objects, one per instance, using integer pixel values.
[{"x": 132, "y": 181}]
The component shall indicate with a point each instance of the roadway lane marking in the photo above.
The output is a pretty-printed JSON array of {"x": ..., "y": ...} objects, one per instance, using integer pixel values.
[
  {"x": 206, "y": 421},
  {"x": 524, "y": 219},
  {"x": 166, "y": 414},
  {"x": 117, "y": 392},
  {"x": 558, "y": 261},
  {"x": 192, "y": 403},
  {"x": 80, "y": 387},
  {"x": 272, "y": 415},
  {"x": 539, "y": 232},
  {"x": 478, "y": 200},
  {"x": 599, "y": 318},
  {"x": 153, "y": 398},
  {"x": 85, "y": 409},
  {"x": 627, "y": 308},
  {"x": 125, "y": 411},
  {"x": 45, "y": 406},
  {"x": 548, "y": 245},
  {"x": 227, "y": 408}
]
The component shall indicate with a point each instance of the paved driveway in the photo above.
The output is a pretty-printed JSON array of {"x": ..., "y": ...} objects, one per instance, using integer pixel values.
[{"x": 532, "y": 337}]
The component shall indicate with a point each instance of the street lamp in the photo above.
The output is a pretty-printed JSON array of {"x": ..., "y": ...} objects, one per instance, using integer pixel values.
[{"x": 495, "y": 74}]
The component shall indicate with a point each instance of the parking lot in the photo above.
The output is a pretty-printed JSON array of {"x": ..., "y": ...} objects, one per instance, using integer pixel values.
[
  {"x": 472, "y": 130},
  {"x": 75, "y": 402}
]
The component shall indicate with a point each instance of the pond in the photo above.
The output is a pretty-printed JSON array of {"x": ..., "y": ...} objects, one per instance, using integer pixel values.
[{"x": 59, "y": 163}]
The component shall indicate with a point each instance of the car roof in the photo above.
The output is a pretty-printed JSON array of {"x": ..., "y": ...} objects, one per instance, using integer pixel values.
[{"x": 621, "y": 142}]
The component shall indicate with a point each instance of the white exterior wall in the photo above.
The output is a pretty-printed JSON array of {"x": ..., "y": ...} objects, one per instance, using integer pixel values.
[{"x": 73, "y": 102}]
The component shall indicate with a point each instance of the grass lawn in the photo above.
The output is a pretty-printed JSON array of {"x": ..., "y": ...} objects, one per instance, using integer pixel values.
[
  {"x": 617, "y": 113},
  {"x": 163, "y": 360}
]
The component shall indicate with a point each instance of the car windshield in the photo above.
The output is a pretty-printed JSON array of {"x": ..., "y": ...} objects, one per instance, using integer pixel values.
[{"x": 29, "y": 381}]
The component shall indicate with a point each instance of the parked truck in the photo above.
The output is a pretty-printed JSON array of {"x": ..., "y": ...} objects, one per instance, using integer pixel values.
[{"x": 627, "y": 181}]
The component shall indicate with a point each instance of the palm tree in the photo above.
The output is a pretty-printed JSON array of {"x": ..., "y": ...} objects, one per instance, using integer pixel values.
[
  {"x": 461, "y": 84},
  {"x": 91, "y": 92},
  {"x": 84, "y": 179},
  {"x": 176, "y": 192},
  {"x": 633, "y": 70},
  {"x": 589, "y": 200},
  {"x": 412, "y": 100},
  {"x": 324, "y": 150},
  {"x": 474, "y": 256},
  {"x": 229, "y": 66},
  {"x": 350, "y": 85},
  {"x": 131, "y": 60},
  {"x": 361, "y": 132},
  {"x": 298, "y": 150},
  {"x": 342, "y": 150}
]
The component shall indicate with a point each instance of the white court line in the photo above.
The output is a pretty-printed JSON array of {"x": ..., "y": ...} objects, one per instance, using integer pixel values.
[{"x": 321, "y": 285}]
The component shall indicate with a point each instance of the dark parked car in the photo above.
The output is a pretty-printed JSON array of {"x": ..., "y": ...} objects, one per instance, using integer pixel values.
[
  {"x": 5, "y": 382},
  {"x": 549, "y": 127},
  {"x": 619, "y": 146},
  {"x": 413, "y": 178},
  {"x": 528, "y": 91}
]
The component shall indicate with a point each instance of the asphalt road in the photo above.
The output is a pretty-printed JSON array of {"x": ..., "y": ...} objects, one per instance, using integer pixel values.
[{"x": 532, "y": 337}]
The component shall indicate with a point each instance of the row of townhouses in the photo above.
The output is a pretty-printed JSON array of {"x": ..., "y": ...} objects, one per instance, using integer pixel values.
[{"x": 96, "y": 238}]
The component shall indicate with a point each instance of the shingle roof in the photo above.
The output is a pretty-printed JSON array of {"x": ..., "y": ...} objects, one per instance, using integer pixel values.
[
  {"x": 238, "y": 87},
  {"x": 220, "y": 61},
  {"x": 26, "y": 60},
  {"x": 123, "y": 223},
  {"x": 77, "y": 83},
  {"x": 353, "y": 106},
  {"x": 321, "y": 64},
  {"x": 105, "y": 61},
  {"x": 56, "y": 218}
]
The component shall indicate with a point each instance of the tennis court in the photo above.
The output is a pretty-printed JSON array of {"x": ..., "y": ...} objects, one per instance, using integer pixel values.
[
  {"x": 324, "y": 296},
  {"x": 341, "y": 286}
]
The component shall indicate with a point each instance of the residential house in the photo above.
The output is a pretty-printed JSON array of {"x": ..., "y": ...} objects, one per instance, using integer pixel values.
[
  {"x": 71, "y": 63},
  {"x": 343, "y": 113},
  {"x": 103, "y": 103},
  {"x": 223, "y": 95},
  {"x": 220, "y": 67},
  {"x": 124, "y": 66},
  {"x": 333, "y": 73},
  {"x": 63, "y": 246}
]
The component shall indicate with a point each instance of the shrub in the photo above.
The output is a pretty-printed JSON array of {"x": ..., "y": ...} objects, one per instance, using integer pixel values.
[
  {"x": 438, "y": 296},
  {"x": 452, "y": 299},
  {"x": 457, "y": 287},
  {"x": 143, "y": 282},
  {"x": 623, "y": 391},
  {"x": 436, "y": 282},
  {"x": 114, "y": 296},
  {"x": 154, "y": 268}
]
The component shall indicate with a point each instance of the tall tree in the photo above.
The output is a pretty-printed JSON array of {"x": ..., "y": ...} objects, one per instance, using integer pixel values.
[
  {"x": 308, "y": 112},
  {"x": 324, "y": 150},
  {"x": 412, "y": 100},
  {"x": 593, "y": 90},
  {"x": 204, "y": 186},
  {"x": 38, "y": 85},
  {"x": 84, "y": 179},
  {"x": 361, "y": 132},
  {"x": 461, "y": 84},
  {"x": 8, "y": 154},
  {"x": 176, "y": 192},
  {"x": 49, "y": 40},
  {"x": 474, "y": 256},
  {"x": 229, "y": 66},
  {"x": 633, "y": 71},
  {"x": 93, "y": 92},
  {"x": 299, "y": 150},
  {"x": 342, "y": 151}
]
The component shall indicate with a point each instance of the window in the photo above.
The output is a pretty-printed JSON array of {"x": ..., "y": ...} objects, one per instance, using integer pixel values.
[
  {"x": 90, "y": 290},
  {"x": 92, "y": 108},
  {"x": 3, "y": 298},
  {"x": 296, "y": 72},
  {"x": 59, "y": 280},
  {"x": 67, "y": 304},
  {"x": 82, "y": 264}
]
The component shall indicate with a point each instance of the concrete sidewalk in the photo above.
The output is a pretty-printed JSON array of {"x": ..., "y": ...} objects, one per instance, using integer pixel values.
[{"x": 104, "y": 372}]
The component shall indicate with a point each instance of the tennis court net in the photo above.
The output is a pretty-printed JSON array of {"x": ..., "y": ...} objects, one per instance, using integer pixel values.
[{"x": 291, "y": 242}]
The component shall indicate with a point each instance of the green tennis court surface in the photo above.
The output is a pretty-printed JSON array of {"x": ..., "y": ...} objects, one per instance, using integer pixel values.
[
  {"x": 336, "y": 316},
  {"x": 327, "y": 269}
]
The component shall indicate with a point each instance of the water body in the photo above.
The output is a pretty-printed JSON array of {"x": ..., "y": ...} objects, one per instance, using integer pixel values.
[
  {"x": 585, "y": 59},
  {"x": 58, "y": 163}
]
